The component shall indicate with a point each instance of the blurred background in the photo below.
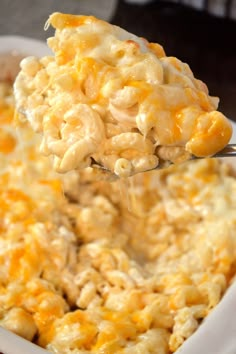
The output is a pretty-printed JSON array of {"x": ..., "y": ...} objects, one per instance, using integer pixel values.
[{"x": 199, "y": 32}]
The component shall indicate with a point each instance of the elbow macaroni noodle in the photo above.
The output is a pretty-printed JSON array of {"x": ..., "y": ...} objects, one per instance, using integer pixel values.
[
  {"x": 80, "y": 272},
  {"x": 109, "y": 96}
]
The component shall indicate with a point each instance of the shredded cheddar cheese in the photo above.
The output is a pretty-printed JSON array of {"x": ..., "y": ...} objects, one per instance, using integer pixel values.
[{"x": 109, "y": 96}]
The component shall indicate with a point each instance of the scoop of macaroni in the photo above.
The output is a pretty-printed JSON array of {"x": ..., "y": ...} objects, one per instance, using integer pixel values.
[{"x": 109, "y": 96}]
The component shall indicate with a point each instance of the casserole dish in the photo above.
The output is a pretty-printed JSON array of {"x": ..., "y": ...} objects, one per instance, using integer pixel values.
[{"x": 214, "y": 336}]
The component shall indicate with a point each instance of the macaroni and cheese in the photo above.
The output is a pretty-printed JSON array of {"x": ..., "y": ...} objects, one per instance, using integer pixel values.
[
  {"x": 116, "y": 99},
  {"x": 87, "y": 268}
]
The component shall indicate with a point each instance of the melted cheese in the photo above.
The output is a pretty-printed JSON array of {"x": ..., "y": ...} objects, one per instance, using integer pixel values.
[{"x": 104, "y": 83}]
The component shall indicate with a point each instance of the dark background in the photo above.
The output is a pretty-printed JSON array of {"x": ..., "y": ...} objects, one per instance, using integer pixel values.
[{"x": 207, "y": 43}]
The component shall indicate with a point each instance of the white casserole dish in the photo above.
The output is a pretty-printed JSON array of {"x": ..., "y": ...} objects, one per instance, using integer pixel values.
[{"x": 217, "y": 333}]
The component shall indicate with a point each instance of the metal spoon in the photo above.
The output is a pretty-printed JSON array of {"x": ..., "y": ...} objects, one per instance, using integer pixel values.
[{"x": 228, "y": 151}]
